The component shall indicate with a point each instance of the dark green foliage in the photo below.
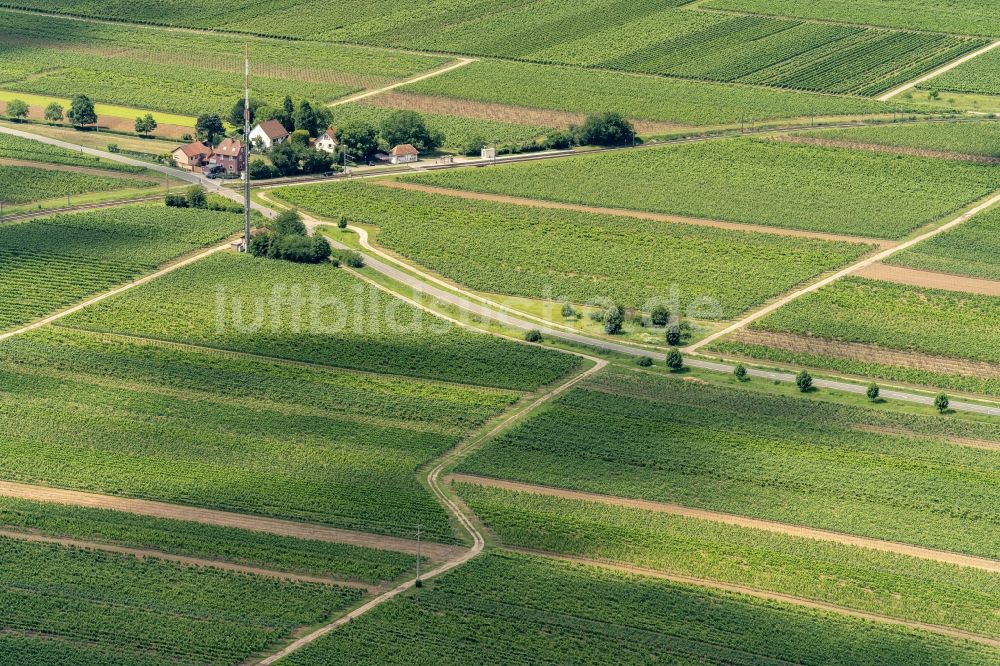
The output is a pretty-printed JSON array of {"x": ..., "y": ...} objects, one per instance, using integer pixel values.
[
  {"x": 81, "y": 111},
  {"x": 261, "y": 170},
  {"x": 359, "y": 139},
  {"x": 804, "y": 381},
  {"x": 613, "y": 319},
  {"x": 145, "y": 124},
  {"x": 644, "y": 362},
  {"x": 288, "y": 222},
  {"x": 606, "y": 129},
  {"x": 941, "y": 403},
  {"x": 675, "y": 360},
  {"x": 534, "y": 335},
  {"x": 349, "y": 258},
  {"x": 568, "y": 311},
  {"x": 873, "y": 391},
  {"x": 209, "y": 128},
  {"x": 740, "y": 372},
  {"x": 409, "y": 127}
]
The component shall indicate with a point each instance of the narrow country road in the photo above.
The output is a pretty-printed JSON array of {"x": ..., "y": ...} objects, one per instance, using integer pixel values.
[{"x": 448, "y": 67}]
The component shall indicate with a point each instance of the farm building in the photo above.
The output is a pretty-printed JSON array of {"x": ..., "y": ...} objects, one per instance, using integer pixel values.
[
  {"x": 327, "y": 141},
  {"x": 268, "y": 133},
  {"x": 229, "y": 156},
  {"x": 403, "y": 154},
  {"x": 192, "y": 156}
]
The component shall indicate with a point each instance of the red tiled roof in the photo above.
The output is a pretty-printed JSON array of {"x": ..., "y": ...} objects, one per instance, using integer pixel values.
[
  {"x": 229, "y": 148},
  {"x": 194, "y": 149},
  {"x": 273, "y": 129},
  {"x": 404, "y": 149}
]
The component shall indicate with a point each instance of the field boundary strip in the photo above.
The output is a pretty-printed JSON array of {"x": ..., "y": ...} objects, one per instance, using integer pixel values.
[
  {"x": 916, "y": 277},
  {"x": 762, "y": 594},
  {"x": 448, "y": 67},
  {"x": 938, "y": 72},
  {"x": 253, "y": 523},
  {"x": 142, "y": 553},
  {"x": 948, "y": 557}
]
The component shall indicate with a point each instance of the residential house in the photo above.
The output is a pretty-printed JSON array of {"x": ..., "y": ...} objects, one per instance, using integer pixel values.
[
  {"x": 327, "y": 141},
  {"x": 229, "y": 156},
  {"x": 403, "y": 154},
  {"x": 268, "y": 134},
  {"x": 193, "y": 156}
]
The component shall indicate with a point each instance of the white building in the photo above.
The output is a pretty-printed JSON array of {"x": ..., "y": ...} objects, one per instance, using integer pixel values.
[
  {"x": 268, "y": 134},
  {"x": 403, "y": 154},
  {"x": 327, "y": 141}
]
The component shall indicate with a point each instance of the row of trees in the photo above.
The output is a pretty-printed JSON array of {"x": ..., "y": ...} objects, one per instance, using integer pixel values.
[{"x": 81, "y": 111}]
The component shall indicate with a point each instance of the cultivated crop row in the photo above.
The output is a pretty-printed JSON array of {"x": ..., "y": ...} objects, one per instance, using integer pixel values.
[
  {"x": 516, "y": 609},
  {"x": 971, "y": 249},
  {"x": 579, "y": 257},
  {"x": 22, "y": 184},
  {"x": 14, "y": 147},
  {"x": 608, "y": 439},
  {"x": 978, "y": 139}
]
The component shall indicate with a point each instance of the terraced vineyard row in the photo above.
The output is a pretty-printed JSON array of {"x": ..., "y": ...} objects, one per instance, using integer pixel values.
[
  {"x": 23, "y": 184},
  {"x": 14, "y": 147}
]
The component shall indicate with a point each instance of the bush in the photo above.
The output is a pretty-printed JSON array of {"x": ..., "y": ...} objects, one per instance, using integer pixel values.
[
  {"x": 675, "y": 360},
  {"x": 941, "y": 403},
  {"x": 873, "y": 391},
  {"x": 606, "y": 129},
  {"x": 291, "y": 247},
  {"x": 804, "y": 381},
  {"x": 568, "y": 311},
  {"x": 261, "y": 170},
  {"x": 740, "y": 371},
  {"x": 644, "y": 362},
  {"x": 113, "y": 148},
  {"x": 560, "y": 140},
  {"x": 288, "y": 223},
  {"x": 613, "y": 319},
  {"x": 674, "y": 336},
  {"x": 349, "y": 258},
  {"x": 534, "y": 335},
  {"x": 660, "y": 316},
  {"x": 176, "y": 200},
  {"x": 196, "y": 197},
  {"x": 342, "y": 222}
]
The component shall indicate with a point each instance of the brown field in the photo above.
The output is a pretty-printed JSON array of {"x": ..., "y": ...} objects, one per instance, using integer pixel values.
[{"x": 930, "y": 279}]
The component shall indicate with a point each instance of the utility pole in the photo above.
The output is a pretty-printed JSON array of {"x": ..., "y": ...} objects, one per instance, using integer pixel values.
[
  {"x": 419, "y": 583},
  {"x": 246, "y": 147}
]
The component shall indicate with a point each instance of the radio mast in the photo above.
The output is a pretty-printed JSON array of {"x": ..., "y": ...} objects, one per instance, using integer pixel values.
[{"x": 246, "y": 147}]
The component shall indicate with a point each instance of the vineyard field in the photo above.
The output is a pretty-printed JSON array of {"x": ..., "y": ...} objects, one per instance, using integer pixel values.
[
  {"x": 321, "y": 558},
  {"x": 580, "y": 257},
  {"x": 884, "y": 583},
  {"x": 971, "y": 249},
  {"x": 659, "y": 438},
  {"x": 969, "y": 17},
  {"x": 144, "y": 419},
  {"x": 66, "y": 605},
  {"x": 203, "y": 74},
  {"x": 318, "y": 314},
  {"x": 753, "y": 181},
  {"x": 50, "y": 263},
  {"x": 458, "y": 131},
  {"x": 24, "y": 184},
  {"x": 896, "y": 317},
  {"x": 981, "y": 75},
  {"x": 649, "y": 98},
  {"x": 981, "y": 139},
  {"x": 574, "y": 614},
  {"x": 14, "y": 147}
]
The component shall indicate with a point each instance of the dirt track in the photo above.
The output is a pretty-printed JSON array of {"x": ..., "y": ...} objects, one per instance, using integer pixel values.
[
  {"x": 770, "y": 596},
  {"x": 930, "y": 279},
  {"x": 892, "y": 150},
  {"x": 959, "y": 559},
  {"x": 141, "y": 553},
  {"x": 289, "y": 528},
  {"x": 621, "y": 212}
]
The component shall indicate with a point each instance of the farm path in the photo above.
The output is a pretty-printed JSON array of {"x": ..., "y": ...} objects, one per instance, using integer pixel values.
[
  {"x": 142, "y": 553},
  {"x": 623, "y": 212},
  {"x": 891, "y": 150},
  {"x": 947, "y": 557},
  {"x": 938, "y": 72},
  {"x": 455, "y": 507},
  {"x": 459, "y": 62},
  {"x": 769, "y": 596},
  {"x": 289, "y": 528},
  {"x": 931, "y": 279}
]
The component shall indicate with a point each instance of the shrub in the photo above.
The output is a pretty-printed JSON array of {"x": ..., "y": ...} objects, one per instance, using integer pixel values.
[
  {"x": 644, "y": 362},
  {"x": 568, "y": 311},
  {"x": 560, "y": 140},
  {"x": 349, "y": 258},
  {"x": 606, "y": 129},
  {"x": 534, "y": 335},
  {"x": 196, "y": 197},
  {"x": 614, "y": 317},
  {"x": 740, "y": 371},
  {"x": 113, "y": 148},
  {"x": 941, "y": 403},
  {"x": 873, "y": 391},
  {"x": 804, "y": 381},
  {"x": 261, "y": 170},
  {"x": 288, "y": 222},
  {"x": 342, "y": 222},
  {"x": 675, "y": 360},
  {"x": 176, "y": 200},
  {"x": 660, "y": 316},
  {"x": 674, "y": 336}
]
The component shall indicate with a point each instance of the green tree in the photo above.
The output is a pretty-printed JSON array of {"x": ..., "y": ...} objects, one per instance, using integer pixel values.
[
  {"x": 358, "y": 138},
  {"x": 81, "y": 111},
  {"x": 196, "y": 197},
  {"x": 17, "y": 109},
  {"x": 288, "y": 111},
  {"x": 288, "y": 222},
  {"x": 675, "y": 360},
  {"x": 614, "y": 317},
  {"x": 568, "y": 311},
  {"x": 146, "y": 124},
  {"x": 941, "y": 403},
  {"x": 314, "y": 161},
  {"x": 660, "y": 315},
  {"x": 54, "y": 112},
  {"x": 644, "y": 362},
  {"x": 342, "y": 222},
  {"x": 674, "y": 336},
  {"x": 299, "y": 138},
  {"x": 408, "y": 127},
  {"x": 305, "y": 118},
  {"x": 534, "y": 335},
  {"x": 740, "y": 371},
  {"x": 873, "y": 392},
  {"x": 804, "y": 381},
  {"x": 209, "y": 128},
  {"x": 606, "y": 129},
  {"x": 235, "y": 116},
  {"x": 285, "y": 159}
]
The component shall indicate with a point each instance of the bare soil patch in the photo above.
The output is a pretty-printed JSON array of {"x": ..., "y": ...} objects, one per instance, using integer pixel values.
[
  {"x": 126, "y": 125},
  {"x": 930, "y": 279},
  {"x": 225, "y": 519},
  {"x": 959, "y": 559},
  {"x": 868, "y": 353},
  {"x": 621, "y": 212},
  {"x": 892, "y": 150}
]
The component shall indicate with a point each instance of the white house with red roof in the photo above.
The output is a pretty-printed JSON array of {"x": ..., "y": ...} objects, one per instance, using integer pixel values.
[
  {"x": 268, "y": 134},
  {"x": 404, "y": 154}
]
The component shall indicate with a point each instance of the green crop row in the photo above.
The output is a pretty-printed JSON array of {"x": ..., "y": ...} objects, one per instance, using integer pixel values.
[
  {"x": 104, "y": 605},
  {"x": 580, "y": 257},
  {"x": 970, "y": 249},
  {"x": 15, "y": 147},
  {"x": 883, "y": 583},
  {"x": 190, "y": 539},
  {"x": 752, "y": 181},
  {"x": 981, "y": 139},
  {"x": 52, "y": 262},
  {"x": 319, "y": 314},
  {"x": 145, "y": 419},
  {"x": 23, "y": 184},
  {"x": 897, "y": 317},
  {"x": 980, "y": 75},
  {"x": 649, "y": 437},
  {"x": 516, "y": 609}
]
